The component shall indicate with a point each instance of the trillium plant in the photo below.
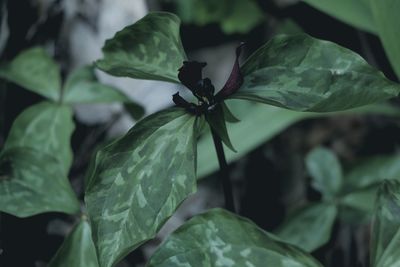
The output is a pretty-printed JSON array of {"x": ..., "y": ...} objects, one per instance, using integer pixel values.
[{"x": 137, "y": 182}]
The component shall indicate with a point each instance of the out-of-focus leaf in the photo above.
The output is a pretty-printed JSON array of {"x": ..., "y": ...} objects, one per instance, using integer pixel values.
[
  {"x": 220, "y": 238},
  {"x": 357, "y": 13},
  {"x": 138, "y": 182},
  {"x": 259, "y": 124},
  {"x": 362, "y": 199},
  {"x": 305, "y": 74},
  {"x": 386, "y": 16},
  {"x": 82, "y": 86},
  {"x": 216, "y": 119},
  {"x": 4, "y": 30},
  {"x": 77, "y": 249},
  {"x": 46, "y": 127},
  {"x": 34, "y": 70},
  {"x": 325, "y": 170},
  {"x": 136, "y": 111},
  {"x": 309, "y": 228},
  {"x": 33, "y": 182},
  {"x": 386, "y": 226},
  {"x": 149, "y": 49},
  {"x": 372, "y": 171},
  {"x": 234, "y": 16}
]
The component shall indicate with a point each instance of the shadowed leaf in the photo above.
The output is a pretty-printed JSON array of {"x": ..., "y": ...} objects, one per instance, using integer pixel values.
[
  {"x": 138, "y": 182},
  {"x": 220, "y": 238},
  {"x": 149, "y": 49}
]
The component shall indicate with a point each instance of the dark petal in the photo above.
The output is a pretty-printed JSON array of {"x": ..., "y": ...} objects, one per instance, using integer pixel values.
[
  {"x": 180, "y": 101},
  {"x": 191, "y": 73},
  {"x": 234, "y": 81}
]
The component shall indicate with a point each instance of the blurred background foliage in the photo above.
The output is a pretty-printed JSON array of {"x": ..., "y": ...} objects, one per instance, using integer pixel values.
[{"x": 276, "y": 182}]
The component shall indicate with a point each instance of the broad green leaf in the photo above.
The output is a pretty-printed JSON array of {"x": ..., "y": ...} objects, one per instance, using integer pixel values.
[
  {"x": 259, "y": 123},
  {"x": 309, "y": 228},
  {"x": 77, "y": 249},
  {"x": 82, "y": 86},
  {"x": 149, "y": 49},
  {"x": 216, "y": 120},
  {"x": 357, "y": 13},
  {"x": 386, "y": 226},
  {"x": 325, "y": 170},
  {"x": 361, "y": 199},
  {"x": 46, "y": 127},
  {"x": 34, "y": 70},
  {"x": 33, "y": 182},
  {"x": 372, "y": 171},
  {"x": 305, "y": 74},
  {"x": 220, "y": 238},
  {"x": 233, "y": 16},
  {"x": 138, "y": 182},
  {"x": 386, "y": 16}
]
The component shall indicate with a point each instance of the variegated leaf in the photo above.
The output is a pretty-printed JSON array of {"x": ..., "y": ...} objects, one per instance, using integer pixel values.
[
  {"x": 77, "y": 249},
  {"x": 46, "y": 127},
  {"x": 34, "y": 70},
  {"x": 138, "y": 182},
  {"x": 309, "y": 228},
  {"x": 149, "y": 49},
  {"x": 82, "y": 86},
  {"x": 305, "y": 74},
  {"x": 33, "y": 182},
  {"x": 220, "y": 238},
  {"x": 386, "y": 226}
]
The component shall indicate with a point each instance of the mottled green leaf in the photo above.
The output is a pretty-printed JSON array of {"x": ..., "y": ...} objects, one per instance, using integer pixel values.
[
  {"x": 149, "y": 49},
  {"x": 372, "y": 171},
  {"x": 139, "y": 181},
  {"x": 386, "y": 16},
  {"x": 216, "y": 120},
  {"x": 386, "y": 226},
  {"x": 46, "y": 127},
  {"x": 305, "y": 74},
  {"x": 309, "y": 228},
  {"x": 34, "y": 70},
  {"x": 357, "y": 13},
  {"x": 220, "y": 238},
  {"x": 259, "y": 123},
  {"x": 82, "y": 86},
  {"x": 33, "y": 182},
  {"x": 325, "y": 170},
  {"x": 77, "y": 249}
]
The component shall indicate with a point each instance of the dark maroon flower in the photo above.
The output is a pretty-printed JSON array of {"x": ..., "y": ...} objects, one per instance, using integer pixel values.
[{"x": 191, "y": 73}]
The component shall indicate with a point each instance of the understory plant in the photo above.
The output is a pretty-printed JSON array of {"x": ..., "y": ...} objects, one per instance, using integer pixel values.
[{"x": 137, "y": 182}]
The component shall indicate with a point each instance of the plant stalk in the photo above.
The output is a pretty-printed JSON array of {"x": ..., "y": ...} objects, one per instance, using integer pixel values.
[{"x": 224, "y": 172}]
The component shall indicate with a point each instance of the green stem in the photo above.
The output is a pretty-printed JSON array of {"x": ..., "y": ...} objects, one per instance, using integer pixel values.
[{"x": 224, "y": 172}]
